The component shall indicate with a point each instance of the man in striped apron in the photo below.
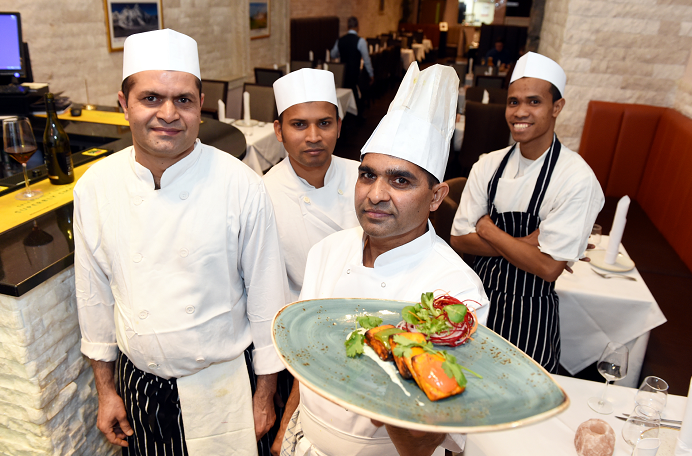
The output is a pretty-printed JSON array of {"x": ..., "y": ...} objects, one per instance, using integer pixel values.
[{"x": 526, "y": 212}]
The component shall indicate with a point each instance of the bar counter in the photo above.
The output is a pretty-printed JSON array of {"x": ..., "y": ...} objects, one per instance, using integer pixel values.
[{"x": 48, "y": 401}]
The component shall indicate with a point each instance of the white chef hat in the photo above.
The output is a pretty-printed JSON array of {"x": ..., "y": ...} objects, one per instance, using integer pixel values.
[
  {"x": 532, "y": 65},
  {"x": 419, "y": 124},
  {"x": 160, "y": 50},
  {"x": 303, "y": 86}
]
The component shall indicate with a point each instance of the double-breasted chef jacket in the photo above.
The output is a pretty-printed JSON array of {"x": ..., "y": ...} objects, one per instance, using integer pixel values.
[
  {"x": 305, "y": 215},
  {"x": 334, "y": 270},
  {"x": 181, "y": 277}
]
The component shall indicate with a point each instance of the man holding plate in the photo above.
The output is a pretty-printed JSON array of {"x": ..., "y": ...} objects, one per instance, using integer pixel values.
[
  {"x": 527, "y": 211},
  {"x": 393, "y": 254}
]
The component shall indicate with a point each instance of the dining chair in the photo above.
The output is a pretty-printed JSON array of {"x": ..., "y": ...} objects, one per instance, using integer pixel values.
[
  {"x": 299, "y": 64},
  {"x": 479, "y": 69},
  {"x": 497, "y": 96},
  {"x": 461, "y": 69},
  {"x": 213, "y": 91},
  {"x": 338, "y": 69},
  {"x": 485, "y": 130},
  {"x": 267, "y": 76},
  {"x": 262, "y": 103},
  {"x": 443, "y": 218}
]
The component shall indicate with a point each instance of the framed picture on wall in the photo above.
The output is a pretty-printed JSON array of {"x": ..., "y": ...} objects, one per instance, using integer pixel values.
[
  {"x": 260, "y": 23},
  {"x": 127, "y": 17}
]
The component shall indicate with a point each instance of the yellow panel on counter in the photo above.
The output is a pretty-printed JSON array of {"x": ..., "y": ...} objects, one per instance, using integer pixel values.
[
  {"x": 14, "y": 212},
  {"x": 102, "y": 117}
]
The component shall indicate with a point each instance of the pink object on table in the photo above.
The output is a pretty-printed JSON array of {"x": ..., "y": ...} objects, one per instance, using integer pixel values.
[{"x": 594, "y": 438}]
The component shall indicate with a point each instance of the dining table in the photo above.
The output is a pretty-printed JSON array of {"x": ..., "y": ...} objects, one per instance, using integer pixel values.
[
  {"x": 347, "y": 102},
  {"x": 407, "y": 57},
  {"x": 555, "y": 436},
  {"x": 427, "y": 45},
  {"x": 419, "y": 51},
  {"x": 596, "y": 310}
]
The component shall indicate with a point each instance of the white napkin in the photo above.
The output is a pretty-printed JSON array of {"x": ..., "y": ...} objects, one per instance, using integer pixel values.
[
  {"x": 617, "y": 230},
  {"x": 288, "y": 67},
  {"x": 222, "y": 111},
  {"x": 246, "y": 108},
  {"x": 276, "y": 67},
  {"x": 486, "y": 97},
  {"x": 328, "y": 56},
  {"x": 377, "y": 48},
  {"x": 470, "y": 66},
  {"x": 647, "y": 447},
  {"x": 684, "y": 445},
  {"x": 370, "y": 49},
  {"x": 312, "y": 56},
  {"x": 325, "y": 67}
]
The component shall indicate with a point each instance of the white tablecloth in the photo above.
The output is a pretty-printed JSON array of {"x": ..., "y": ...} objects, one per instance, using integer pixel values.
[
  {"x": 263, "y": 149},
  {"x": 555, "y": 437},
  {"x": 407, "y": 57},
  {"x": 595, "y": 311},
  {"x": 419, "y": 51},
  {"x": 347, "y": 102},
  {"x": 427, "y": 45}
]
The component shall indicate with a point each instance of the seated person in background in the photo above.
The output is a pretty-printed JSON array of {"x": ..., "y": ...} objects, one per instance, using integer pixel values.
[
  {"x": 499, "y": 54},
  {"x": 393, "y": 254},
  {"x": 526, "y": 211}
]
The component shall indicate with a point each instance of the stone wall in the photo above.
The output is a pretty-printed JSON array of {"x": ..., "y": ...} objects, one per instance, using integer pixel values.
[
  {"x": 48, "y": 401},
  {"x": 68, "y": 42},
  {"x": 371, "y": 20},
  {"x": 628, "y": 51}
]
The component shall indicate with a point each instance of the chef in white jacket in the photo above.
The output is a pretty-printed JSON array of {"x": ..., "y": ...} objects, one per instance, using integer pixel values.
[
  {"x": 527, "y": 211},
  {"x": 393, "y": 254},
  {"x": 311, "y": 190},
  {"x": 178, "y": 270}
]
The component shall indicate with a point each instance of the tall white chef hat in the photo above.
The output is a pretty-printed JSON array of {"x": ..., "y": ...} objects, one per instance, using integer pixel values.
[
  {"x": 420, "y": 121},
  {"x": 303, "y": 86},
  {"x": 160, "y": 50},
  {"x": 532, "y": 65}
]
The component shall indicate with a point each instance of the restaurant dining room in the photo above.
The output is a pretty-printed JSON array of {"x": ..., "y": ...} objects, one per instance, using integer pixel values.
[{"x": 491, "y": 245}]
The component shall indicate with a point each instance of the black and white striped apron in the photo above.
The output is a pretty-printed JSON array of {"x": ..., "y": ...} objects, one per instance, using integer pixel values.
[
  {"x": 153, "y": 410},
  {"x": 523, "y": 307}
]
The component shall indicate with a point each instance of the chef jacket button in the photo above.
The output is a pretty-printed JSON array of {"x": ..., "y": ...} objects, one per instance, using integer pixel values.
[
  {"x": 137, "y": 200},
  {"x": 153, "y": 366},
  {"x": 200, "y": 360},
  {"x": 184, "y": 195},
  {"x": 384, "y": 284},
  {"x": 137, "y": 257},
  {"x": 341, "y": 192},
  {"x": 143, "y": 314},
  {"x": 306, "y": 199},
  {"x": 348, "y": 271},
  {"x": 190, "y": 309},
  {"x": 184, "y": 253}
]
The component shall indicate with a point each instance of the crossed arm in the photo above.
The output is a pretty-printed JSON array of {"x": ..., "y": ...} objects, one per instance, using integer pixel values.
[{"x": 489, "y": 240}]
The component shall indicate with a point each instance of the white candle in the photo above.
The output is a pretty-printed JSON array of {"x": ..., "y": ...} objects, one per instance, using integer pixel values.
[
  {"x": 222, "y": 110},
  {"x": 684, "y": 444},
  {"x": 327, "y": 57},
  {"x": 616, "y": 231},
  {"x": 370, "y": 49},
  {"x": 377, "y": 48},
  {"x": 470, "y": 66},
  {"x": 312, "y": 57},
  {"x": 325, "y": 67},
  {"x": 276, "y": 67},
  {"x": 246, "y": 108},
  {"x": 288, "y": 67}
]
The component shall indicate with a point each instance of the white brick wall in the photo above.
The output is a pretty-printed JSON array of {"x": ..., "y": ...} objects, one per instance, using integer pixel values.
[
  {"x": 48, "y": 401},
  {"x": 627, "y": 51}
]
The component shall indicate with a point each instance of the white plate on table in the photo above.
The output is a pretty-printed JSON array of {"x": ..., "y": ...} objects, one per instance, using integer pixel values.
[
  {"x": 622, "y": 263},
  {"x": 242, "y": 123},
  {"x": 668, "y": 438}
]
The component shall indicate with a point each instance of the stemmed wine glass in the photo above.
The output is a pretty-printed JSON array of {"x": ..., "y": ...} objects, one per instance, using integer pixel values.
[
  {"x": 653, "y": 392},
  {"x": 20, "y": 144},
  {"x": 643, "y": 419},
  {"x": 613, "y": 366}
]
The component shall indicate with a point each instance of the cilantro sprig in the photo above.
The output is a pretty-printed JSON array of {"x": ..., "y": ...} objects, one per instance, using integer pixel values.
[{"x": 356, "y": 341}]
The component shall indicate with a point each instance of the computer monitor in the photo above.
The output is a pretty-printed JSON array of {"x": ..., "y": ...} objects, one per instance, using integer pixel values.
[{"x": 11, "y": 51}]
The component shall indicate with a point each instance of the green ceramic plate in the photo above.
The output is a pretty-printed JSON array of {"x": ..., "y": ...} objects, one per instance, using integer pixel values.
[{"x": 514, "y": 391}]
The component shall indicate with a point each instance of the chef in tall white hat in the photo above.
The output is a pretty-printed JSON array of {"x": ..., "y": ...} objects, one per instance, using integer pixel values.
[
  {"x": 394, "y": 254},
  {"x": 178, "y": 271},
  {"x": 527, "y": 211},
  {"x": 312, "y": 190}
]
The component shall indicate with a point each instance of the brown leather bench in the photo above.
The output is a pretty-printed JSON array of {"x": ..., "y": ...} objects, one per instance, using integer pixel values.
[{"x": 645, "y": 152}]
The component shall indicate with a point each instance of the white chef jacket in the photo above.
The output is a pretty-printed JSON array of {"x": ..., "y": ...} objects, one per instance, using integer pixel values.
[
  {"x": 305, "y": 215},
  {"x": 181, "y": 277},
  {"x": 570, "y": 207},
  {"x": 335, "y": 270}
]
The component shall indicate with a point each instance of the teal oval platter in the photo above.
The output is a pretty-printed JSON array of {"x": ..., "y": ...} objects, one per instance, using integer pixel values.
[{"x": 514, "y": 391}]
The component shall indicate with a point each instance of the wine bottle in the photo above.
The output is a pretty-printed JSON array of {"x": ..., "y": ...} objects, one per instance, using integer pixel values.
[{"x": 56, "y": 147}]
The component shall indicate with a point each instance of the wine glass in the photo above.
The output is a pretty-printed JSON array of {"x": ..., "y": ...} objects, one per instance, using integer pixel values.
[
  {"x": 613, "y": 366},
  {"x": 642, "y": 419},
  {"x": 653, "y": 392},
  {"x": 20, "y": 144}
]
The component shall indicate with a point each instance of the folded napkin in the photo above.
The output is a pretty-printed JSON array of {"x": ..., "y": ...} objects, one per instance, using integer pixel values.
[
  {"x": 684, "y": 445},
  {"x": 486, "y": 97},
  {"x": 617, "y": 230},
  {"x": 246, "y": 108},
  {"x": 222, "y": 111}
]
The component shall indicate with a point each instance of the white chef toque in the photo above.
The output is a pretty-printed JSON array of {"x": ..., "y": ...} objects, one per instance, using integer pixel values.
[
  {"x": 532, "y": 65},
  {"x": 419, "y": 124},
  {"x": 303, "y": 86},
  {"x": 165, "y": 50}
]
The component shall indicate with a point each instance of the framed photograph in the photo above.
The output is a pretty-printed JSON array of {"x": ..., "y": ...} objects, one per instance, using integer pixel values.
[
  {"x": 260, "y": 23},
  {"x": 127, "y": 17}
]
